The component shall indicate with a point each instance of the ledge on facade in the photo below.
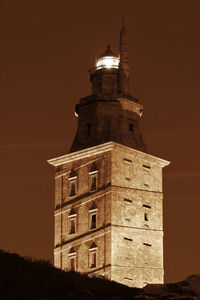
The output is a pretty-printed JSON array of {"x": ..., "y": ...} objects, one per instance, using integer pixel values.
[
  {"x": 82, "y": 235},
  {"x": 88, "y": 194},
  {"x": 103, "y": 97},
  {"x": 101, "y": 149}
]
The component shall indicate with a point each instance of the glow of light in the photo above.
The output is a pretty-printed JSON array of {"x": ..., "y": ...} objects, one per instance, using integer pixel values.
[{"x": 107, "y": 62}]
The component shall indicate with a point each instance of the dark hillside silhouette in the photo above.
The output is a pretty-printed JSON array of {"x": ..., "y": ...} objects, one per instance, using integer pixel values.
[{"x": 27, "y": 278}]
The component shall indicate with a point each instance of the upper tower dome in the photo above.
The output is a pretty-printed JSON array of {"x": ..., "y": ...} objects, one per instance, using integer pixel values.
[{"x": 107, "y": 60}]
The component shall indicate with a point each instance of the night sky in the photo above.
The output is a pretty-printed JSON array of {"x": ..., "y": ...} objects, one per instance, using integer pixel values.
[{"x": 46, "y": 50}]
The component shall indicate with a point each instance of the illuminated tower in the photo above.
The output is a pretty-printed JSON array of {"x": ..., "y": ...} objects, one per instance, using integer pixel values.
[{"x": 108, "y": 189}]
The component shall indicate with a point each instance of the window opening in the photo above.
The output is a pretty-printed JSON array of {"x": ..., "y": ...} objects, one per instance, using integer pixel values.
[
  {"x": 127, "y": 168},
  {"x": 128, "y": 278},
  {"x": 127, "y": 200},
  {"x": 93, "y": 186},
  {"x": 146, "y": 185},
  {"x": 72, "y": 263},
  {"x": 88, "y": 129},
  {"x": 93, "y": 181},
  {"x": 72, "y": 226},
  {"x": 93, "y": 216},
  {"x": 72, "y": 221},
  {"x": 73, "y": 189},
  {"x": 93, "y": 256},
  {"x": 73, "y": 184},
  {"x": 146, "y": 217},
  {"x": 146, "y": 206},
  {"x": 131, "y": 127},
  {"x": 146, "y": 167},
  {"x": 72, "y": 259},
  {"x": 145, "y": 244},
  {"x": 127, "y": 160},
  {"x": 128, "y": 239},
  {"x": 93, "y": 259},
  {"x": 93, "y": 221}
]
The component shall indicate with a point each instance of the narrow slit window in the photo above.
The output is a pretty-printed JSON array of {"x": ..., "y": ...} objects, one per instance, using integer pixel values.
[
  {"x": 146, "y": 185},
  {"x": 93, "y": 256},
  {"x": 72, "y": 225},
  {"x": 88, "y": 129},
  {"x": 127, "y": 160},
  {"x": 72, "y": 260},
  {"x": 131, "y": 127},
  {"x": 128, "y": 278},
  {"x": 93, "y": 216},
  {"x": 72, "y": 189},
  {"x": 93, "y": 259},
  {"x": 146, "y": 218},
  {"x": 93, "y": 221},
  {"x": 93, "y": 181},
  {"x": 128, "y": 239},
  {"x": 146, "y": 167},
  {"x": 127, "y": 200},
  {"x": 93, "y": 185},
  {"x": 72, "y": 263},
  {"x": 147, "y": 206},
  {"x": 146, "y": 244},
  {"x": 73, "y": 186},
  {"x": 127, "y": 168}
]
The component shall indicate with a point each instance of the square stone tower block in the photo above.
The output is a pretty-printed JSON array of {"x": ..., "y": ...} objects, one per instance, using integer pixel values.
[{"x": 108, "y": 213}]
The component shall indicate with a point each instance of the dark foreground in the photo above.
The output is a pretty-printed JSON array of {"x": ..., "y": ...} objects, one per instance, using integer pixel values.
[{"x": 25, "y": 278}]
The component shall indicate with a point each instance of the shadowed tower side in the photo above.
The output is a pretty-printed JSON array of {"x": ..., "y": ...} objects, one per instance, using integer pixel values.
[{"x": 108, "y": 189}]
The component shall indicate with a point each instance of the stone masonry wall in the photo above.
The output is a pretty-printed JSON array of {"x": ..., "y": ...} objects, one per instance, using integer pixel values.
[
  {"x": 82, "y": 203},
  {"x": 137, "y": 221},
  {"x": 128, "y": 236}
]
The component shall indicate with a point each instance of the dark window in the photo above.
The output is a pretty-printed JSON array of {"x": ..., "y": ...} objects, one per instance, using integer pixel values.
[
  {"x": 127, "y": 200},
  {"x": 88, "y": 129},
  {"x": 127, "y": 160},
  {"x": 145, "y": 244},
  {"x": 72, "y": 227},
  {"x": 146, "y": 217},
  {"x": 72, "y": 263},
  {"x": 93, "y": 259},
  {"x": 128, "y": 239},
  {"x": 93, "y": 186},
  {"x": 131, "y": 127},
  {"x": 72, "y": 188},
  {"x": 146, "y": 167},
  {"x": 147, "y": 206},
  {"x": 93, "y": 221}
]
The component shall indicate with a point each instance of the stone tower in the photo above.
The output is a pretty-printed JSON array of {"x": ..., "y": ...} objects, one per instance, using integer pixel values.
[{"x": 108, "y": 189}]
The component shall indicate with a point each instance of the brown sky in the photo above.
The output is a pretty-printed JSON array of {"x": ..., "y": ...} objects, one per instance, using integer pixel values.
[{"x": 46, "y": 49}]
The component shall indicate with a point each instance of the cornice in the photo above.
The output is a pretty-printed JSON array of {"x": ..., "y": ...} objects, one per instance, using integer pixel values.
[{"x": 106, "y": 147}]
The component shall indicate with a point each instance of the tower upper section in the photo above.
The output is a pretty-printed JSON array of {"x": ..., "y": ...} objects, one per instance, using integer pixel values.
[
  {"x": 110, "y": 76},
  {"x": 110, "y": 113}
]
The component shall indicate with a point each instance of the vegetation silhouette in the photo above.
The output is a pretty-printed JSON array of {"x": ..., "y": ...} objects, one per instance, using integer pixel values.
[{"x": 27, "y": 278}]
